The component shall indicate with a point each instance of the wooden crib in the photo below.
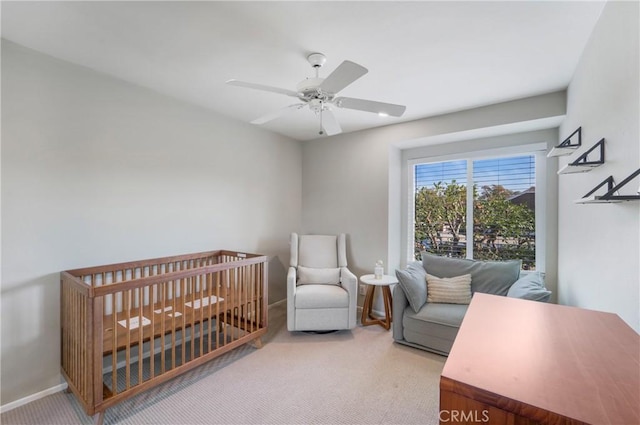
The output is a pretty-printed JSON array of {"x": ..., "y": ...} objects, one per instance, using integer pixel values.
[{"x": 130, "y": 326}]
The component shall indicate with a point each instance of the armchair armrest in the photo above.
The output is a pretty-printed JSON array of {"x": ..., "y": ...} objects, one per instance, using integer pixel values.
[
  {"x": 349, "y": 282},
  {"x": 291, "y": 293}
]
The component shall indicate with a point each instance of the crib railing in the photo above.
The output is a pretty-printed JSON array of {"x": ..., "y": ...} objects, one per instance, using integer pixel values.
[{"x": 127, "y": 327}]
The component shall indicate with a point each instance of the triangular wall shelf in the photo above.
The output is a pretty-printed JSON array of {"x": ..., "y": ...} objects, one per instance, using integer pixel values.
[
  {"x": 612, "y": 192},
  {"x": 566, "y": 147},
  {"x": 583, "y": 164}
]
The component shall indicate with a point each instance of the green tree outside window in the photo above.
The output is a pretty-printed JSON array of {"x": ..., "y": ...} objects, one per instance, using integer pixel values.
[{"x": 503, "y": 226}]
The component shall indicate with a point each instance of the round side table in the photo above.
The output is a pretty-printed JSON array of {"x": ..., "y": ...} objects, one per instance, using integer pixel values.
[{"x": 384, "y": 282}]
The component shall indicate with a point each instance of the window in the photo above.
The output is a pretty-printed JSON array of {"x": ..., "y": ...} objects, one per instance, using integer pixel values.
[{"x": 481, "y": 208}]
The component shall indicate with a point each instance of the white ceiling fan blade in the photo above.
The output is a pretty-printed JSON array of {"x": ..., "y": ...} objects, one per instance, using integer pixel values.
[
  {"x": 370, "y": 106},
  {"x": 262, "y": 87},
  {"x": 342, "y": 76},
  {"x": 330, "y": 123},
  {"x": 277, "y": 114}
]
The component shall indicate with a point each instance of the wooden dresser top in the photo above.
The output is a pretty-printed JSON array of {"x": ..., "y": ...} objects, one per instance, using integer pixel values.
[{"x": 574, "y": 363}]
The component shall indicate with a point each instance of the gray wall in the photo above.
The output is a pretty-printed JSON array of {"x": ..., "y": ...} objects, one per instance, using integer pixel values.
[
  {"x": 95, "y": 171},
  {"x": 599, "y": 245}
]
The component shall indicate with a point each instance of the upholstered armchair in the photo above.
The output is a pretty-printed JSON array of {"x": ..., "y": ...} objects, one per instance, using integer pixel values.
[{"x": 321, "y": 291}]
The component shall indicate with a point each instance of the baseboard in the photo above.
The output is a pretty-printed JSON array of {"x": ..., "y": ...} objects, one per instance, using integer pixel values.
[
  {"x": 32, "y": 397},
  {"x": 374, "y": 311},
  {"x": 277, "y": 303}
]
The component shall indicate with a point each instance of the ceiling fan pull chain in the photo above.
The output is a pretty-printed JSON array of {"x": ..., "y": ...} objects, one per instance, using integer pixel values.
[{"x": 321, "y": 108}]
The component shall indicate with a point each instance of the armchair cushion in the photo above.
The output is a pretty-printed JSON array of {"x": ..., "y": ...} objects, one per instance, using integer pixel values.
[
  {"x": 321, "y": 297},
  {"x": 308, "y": 275},
  {"x": 413, "y": 281}
]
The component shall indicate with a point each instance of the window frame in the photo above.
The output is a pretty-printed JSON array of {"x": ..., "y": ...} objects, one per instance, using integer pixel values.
[{"x": 538, "y": 150}]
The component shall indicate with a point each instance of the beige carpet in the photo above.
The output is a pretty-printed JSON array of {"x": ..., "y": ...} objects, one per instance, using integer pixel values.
[{"x": 347, "y": 377}]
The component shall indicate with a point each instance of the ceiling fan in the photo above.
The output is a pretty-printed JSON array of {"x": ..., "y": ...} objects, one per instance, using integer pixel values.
[{"x": 320, "y": 95}]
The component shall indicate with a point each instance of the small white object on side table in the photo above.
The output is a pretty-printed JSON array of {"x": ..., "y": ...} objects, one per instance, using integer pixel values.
[{"x": 384, "y": 282}]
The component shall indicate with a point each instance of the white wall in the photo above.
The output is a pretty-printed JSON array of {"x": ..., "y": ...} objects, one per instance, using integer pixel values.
[
  {"x": 352, "y": 182},
  {"x": 599, "y": 245},
  {"x": 95, "y": 171}
]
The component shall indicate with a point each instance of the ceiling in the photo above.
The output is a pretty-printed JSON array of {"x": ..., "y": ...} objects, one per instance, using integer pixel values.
[{"x": 433, "y": 57}]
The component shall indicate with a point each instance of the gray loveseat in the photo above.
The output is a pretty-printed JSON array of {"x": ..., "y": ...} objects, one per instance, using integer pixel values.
[{"x": 433, "y": 326}]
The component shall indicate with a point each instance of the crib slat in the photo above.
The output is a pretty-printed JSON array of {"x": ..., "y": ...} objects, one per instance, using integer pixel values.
[
  {"x": 93, "y": 365},
  {"x": 257, "y": 296},
  {"x": 235, "y": 317},
  {"x": 227, "y": 305},
  {"x": 194, "y": 311},
  {"x": 77, "y": 361},
  {"x": 217, "y": 327},
  {"x": 152, "y": 341},
  {"x": 114, "y": 340},
  {"x": 185, "y": 295},
  {"x": 202, "y": 310},
  {"x": 174, "y": 325},
  {"x": 210, "y": 313},
  {"x": 73, "y": 334},
  {"x": 126, "y": 310},
  {"x": 140, "y": 334},
  {"x": 234, "y": 310},
  {"x": 249, "y": 299},
  {"x": 174, "y": 285},
  {"x": 245, "y": 304},
  {"x": 163, "y": 304}
]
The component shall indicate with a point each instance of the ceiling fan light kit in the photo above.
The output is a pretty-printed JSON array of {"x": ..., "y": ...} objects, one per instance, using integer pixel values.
[{"x": 319, "y": 94}]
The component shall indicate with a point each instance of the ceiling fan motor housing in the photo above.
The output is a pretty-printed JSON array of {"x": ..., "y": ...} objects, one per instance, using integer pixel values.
[
  {"x": 309, "y": 89},
  {"x": 309, "y": 84}
]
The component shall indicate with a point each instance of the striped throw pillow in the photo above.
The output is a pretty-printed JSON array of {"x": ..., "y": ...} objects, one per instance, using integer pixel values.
[{"x": 450, "y": 290}]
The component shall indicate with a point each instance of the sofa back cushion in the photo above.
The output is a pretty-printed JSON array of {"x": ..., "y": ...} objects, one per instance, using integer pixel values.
[
  {"x": 413, "y": 281},
  {"x": 530, "y": 286},
  {"x": 489, "y": 277}
]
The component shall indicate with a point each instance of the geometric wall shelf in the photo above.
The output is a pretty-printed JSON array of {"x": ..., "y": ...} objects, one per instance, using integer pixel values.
[
  {"x": 567, "y": 147},
  {"x": 611, "y": 195},
  {"x": 589, "y": 199},
  {"x": 583, "y": 164}
]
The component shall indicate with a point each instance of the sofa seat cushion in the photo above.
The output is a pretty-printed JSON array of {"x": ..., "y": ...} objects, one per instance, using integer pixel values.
[
  {"x": 441, "y": 314},
  {"x": 321, "y": 296},
  {"x": 434, "y": 326}
]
